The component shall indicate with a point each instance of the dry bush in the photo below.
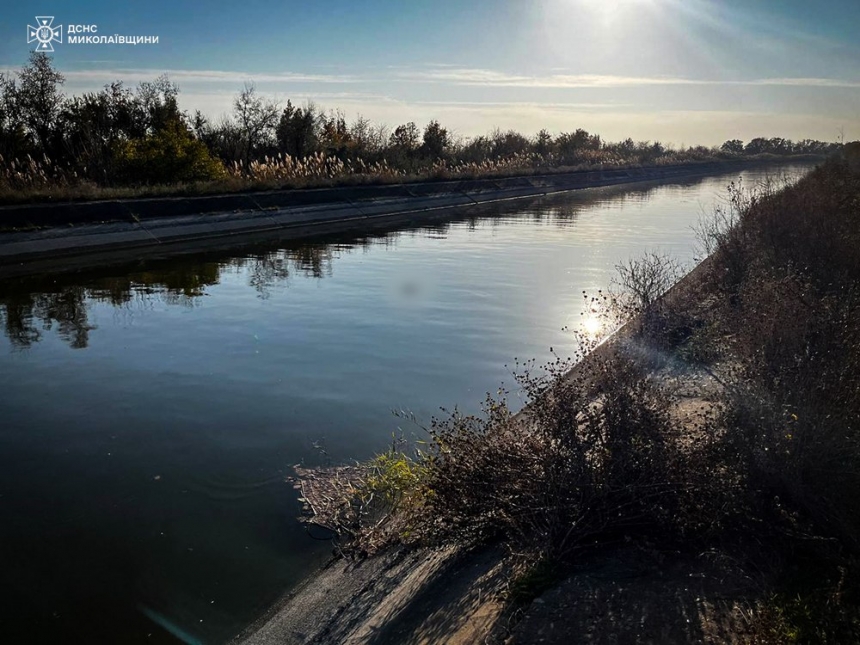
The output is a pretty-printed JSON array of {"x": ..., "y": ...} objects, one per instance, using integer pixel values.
[
  {"x": 637, "y": 295},
  {"x": 593, "y": 457},
  {"x": 645, "y": 278},
  {"x": 792, "y": 323}
]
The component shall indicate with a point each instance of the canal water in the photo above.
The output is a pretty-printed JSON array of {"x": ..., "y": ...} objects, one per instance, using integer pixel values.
[{"x": 150, "y": 414}]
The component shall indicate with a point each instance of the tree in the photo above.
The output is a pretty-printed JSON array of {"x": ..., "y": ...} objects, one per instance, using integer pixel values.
[
  {"x": 225, "y": 140},
  {"x": 507, "y": 144},
  {"x": 200, "y": 125},
  {"x": 91, "y": 125},
  {"x": 779, "y": 146},
  {"x": 377, "y": 137},
  {"x": 157, "y": 106},
  {"x": 476, "y": 150},
  {"x": 169, "y": 155},
  {"x": 405, "y": 137},
  {"x": 543, "y": 142},
  {"x": 296, "y": 131},
  {"x": 256, "y": 117},
  {"x": 334, "y": 135},
  {"x": 39, "y": 99},
  {"x": 627, "y": 147},
  {"x": 360, "y": 133},
  {"x": 403, "y": 145},
  {"x": 15, "y": 141},
  {"x": 733, "y": 146},
  {"x": 756, "y": 146},
  {"x": 435, "y": 140},
  {"x": 571, "y": 144}
]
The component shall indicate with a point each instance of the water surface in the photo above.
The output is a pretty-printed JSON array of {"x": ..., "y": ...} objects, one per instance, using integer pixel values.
[{"x": 151, "y": 413}]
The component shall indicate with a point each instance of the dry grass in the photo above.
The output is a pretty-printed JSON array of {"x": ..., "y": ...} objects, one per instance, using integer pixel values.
[{"x": 35, "y": 180}]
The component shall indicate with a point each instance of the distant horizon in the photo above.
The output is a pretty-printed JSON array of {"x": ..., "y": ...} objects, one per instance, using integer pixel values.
[{"x": 691, "y": 72}]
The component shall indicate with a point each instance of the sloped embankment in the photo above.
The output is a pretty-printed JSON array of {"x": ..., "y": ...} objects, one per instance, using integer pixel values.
[{"x": 694, "y": 479}]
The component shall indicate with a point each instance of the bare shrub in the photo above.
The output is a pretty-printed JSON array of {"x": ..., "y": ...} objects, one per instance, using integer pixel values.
[
  {"x": 580, "y": 463},
  {"x": 593, "y": 456},
  {"x": 644, "y": 279},
  {"x": 637, "y": 295}
]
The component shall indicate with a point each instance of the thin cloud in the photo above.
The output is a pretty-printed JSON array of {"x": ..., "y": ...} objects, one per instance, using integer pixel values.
[
  {"x": 492, "y": 78},
  {"x": 527, "y": 104},
  {"x": 465, "y": 76},
  {"x": 441, "y": 74},
  {"x": 206, "y": 76},
  {"x": 806, "y": 82}
]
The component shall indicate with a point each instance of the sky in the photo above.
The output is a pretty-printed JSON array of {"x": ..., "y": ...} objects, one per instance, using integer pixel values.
[{"x": 683, "y": 72}]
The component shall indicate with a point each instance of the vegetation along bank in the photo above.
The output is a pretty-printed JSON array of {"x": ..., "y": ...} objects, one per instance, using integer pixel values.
[{"x": 695, "y": 478}]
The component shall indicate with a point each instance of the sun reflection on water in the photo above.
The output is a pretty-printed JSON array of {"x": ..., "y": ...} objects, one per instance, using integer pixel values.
[{"x": 592, "y": 325}]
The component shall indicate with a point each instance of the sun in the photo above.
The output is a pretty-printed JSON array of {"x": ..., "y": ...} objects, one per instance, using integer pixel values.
[
  {"x": 607, "y": 11},
  {"x": 615, "y": 5}
]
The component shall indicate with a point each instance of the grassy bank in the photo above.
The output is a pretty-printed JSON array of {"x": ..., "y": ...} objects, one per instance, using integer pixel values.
[{"x": 722, "y": 420}]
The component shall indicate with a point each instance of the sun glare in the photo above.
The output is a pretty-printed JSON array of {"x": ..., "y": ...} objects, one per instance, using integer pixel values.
[
  {"x": 592, "y": 326},
  {"x": 610, "y": 5},
  {"x": 609, "y": 10}
]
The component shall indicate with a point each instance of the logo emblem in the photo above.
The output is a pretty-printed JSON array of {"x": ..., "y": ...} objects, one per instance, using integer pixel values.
[{"x": 44, "y": 33}]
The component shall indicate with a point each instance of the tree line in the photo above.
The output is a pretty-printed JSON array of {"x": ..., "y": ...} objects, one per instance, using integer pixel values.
[{"x": 121, "y": 136}]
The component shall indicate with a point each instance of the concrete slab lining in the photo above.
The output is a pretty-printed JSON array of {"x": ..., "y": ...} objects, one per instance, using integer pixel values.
[{"x": 166, "y": 226}]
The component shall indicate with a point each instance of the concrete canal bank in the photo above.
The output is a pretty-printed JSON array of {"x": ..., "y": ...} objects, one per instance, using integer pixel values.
[{"x": 75, "y": 235}]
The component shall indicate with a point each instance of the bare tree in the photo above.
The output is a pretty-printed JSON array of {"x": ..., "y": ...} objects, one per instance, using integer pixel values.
[
  {"x": 158, "y": 104},
  {"x": 359, "y": 132},
  {"x": 378, "y": 137},
  {"x": 257, "y": 118}
]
